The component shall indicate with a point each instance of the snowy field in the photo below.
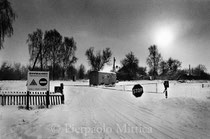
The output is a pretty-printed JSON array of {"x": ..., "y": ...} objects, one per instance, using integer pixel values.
[{"x": 113, "y": 112}]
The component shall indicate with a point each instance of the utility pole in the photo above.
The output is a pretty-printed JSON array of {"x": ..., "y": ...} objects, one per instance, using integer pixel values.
[
  {"x": 189, "y": 70},
  {"x": 199, "y": 70}
]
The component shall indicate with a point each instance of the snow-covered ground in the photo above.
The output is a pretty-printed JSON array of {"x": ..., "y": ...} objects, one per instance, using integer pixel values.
[{"x": 112, "y": 113}]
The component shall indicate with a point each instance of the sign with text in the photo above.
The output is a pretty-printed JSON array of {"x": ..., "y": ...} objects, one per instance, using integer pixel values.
[
  {"x": 137, "y": 90},
  {"x": 38, "y": 81}
]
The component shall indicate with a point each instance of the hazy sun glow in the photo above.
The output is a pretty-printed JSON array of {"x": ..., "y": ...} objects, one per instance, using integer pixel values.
[{"x": 164, "y": 37}]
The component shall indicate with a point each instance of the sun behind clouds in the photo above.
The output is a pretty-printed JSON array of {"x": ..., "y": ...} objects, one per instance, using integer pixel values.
[{"x": 164, "y": 36}]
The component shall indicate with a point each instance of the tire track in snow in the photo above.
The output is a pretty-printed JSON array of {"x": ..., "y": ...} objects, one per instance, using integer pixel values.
[
  {"x": 87, "y": 107},
  {"x": 117, "y": 118},
  {"x": 157, "y": 126},
  {"x": 93, "y": 109},
  {"x": 151, "y": 114},
  {"x": 125, "y": 118}
]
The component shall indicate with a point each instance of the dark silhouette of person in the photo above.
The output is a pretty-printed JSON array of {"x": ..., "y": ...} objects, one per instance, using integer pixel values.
[{"x": 166, "y": 85}]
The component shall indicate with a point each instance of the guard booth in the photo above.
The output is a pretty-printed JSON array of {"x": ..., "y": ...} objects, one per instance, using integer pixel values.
[{"x": 100, "y": 78}]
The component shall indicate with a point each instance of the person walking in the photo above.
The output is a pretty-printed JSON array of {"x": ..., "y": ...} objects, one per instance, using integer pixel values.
[{"x": 166, "y": 85}]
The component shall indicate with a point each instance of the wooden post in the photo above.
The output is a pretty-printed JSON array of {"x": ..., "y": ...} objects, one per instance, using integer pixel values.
[
  {"x": 62, "y": 95},
  {"x": 27, "y": 100},
  {"x": 2, "y": 99},
  {"x": 156, "y": 88},
  {"x": 47, "y": 99},
  {"x": 61, "y": 85}
]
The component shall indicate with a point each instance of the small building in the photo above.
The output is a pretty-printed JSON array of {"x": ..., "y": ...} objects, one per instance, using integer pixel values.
[{"x": 100, "y": 78}]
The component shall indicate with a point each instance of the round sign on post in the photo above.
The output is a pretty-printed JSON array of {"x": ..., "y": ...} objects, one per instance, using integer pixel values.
[
  {"x": 43, "y": 81},
  {"x": 137, "y": 90}
]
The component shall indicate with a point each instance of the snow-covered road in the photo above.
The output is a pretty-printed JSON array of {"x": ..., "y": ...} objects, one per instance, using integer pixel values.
[{"x": 95, "y": 112}]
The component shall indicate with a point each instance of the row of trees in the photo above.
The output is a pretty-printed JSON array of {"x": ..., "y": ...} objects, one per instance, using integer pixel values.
[
  {"x": 171, "y": 68},
  {"x": 13, "y": 71},
  {"x": 17, "y": 71},
  {"x": 158, "y": 67},
  {"x": 129, "y": 70}
]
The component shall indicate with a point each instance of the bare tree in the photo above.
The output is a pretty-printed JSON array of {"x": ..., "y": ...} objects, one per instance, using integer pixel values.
[
  {"x": 199, "y": 70},
  {"x": 170, "y": 68},
  {"x": 173, "y": 65},
  {"x": 7, "y": 16},
  {"x": 130, "y": 66},
  {"x": 154, "y": 60},
  {"x": 67, "y": 54},
  {"x": 163, "y": 68},
  {"x": 53, "y": 42},
  {"x": 81, "y": 71},
  {"x": 98, "y": 60},
  {"x": 49, "y": 48},
  {"x": 36, "y": 47}
]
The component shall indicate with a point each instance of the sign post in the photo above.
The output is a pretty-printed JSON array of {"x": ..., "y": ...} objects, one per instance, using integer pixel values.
[{"x": 38, "y": 81}]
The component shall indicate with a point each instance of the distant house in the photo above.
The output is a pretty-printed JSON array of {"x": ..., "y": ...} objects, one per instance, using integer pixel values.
[{"x": 100, "y": 78}]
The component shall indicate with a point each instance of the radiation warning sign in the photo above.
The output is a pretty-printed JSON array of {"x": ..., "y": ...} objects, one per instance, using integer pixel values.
[{"x": 38, "y": 81}]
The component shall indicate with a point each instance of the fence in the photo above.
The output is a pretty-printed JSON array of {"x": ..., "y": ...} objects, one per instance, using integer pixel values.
[
  {"x": 32, "y": 98},
  {"x": 205, "y": 85},
  {"x": 16, "y": 99},
  {"x": 23, "y": 93},
  {"x": 147, "y": 87}
]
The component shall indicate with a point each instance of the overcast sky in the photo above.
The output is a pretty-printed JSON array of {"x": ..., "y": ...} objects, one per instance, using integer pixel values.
[{"x": 122, "y": 25}]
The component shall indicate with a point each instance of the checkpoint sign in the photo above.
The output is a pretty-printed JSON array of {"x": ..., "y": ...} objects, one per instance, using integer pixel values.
[{"x": 38, "y": 81}]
